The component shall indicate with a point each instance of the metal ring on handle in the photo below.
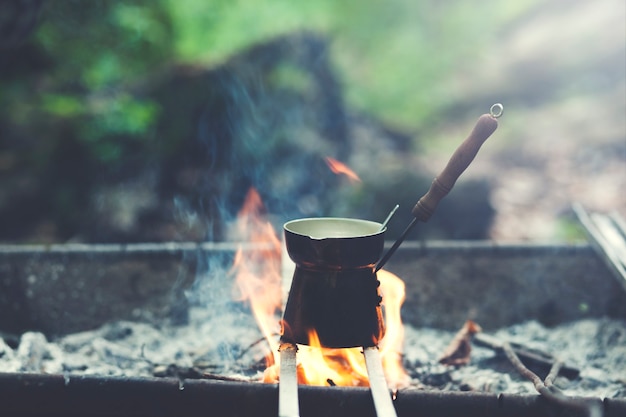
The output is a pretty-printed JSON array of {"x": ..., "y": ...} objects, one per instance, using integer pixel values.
[{"x": 496, "y": 110}]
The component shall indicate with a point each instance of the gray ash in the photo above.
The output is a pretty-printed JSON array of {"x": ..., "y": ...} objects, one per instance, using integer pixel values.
[
  {"x": 596, "y": 347},
  {"x": 230, "y": 347}
]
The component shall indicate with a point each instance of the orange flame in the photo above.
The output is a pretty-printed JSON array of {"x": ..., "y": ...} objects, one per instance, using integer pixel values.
[
  {"x": 392, "y": 289},
  {"x": 323, "y": 366},
  {"x": 258, "y": 271},
  {"x": 340, "y": 168},
  {"x": 258, "y": 280}
]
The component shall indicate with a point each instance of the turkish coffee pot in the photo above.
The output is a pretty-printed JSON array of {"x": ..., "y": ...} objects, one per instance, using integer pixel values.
[{"x": 334, "y": 289}]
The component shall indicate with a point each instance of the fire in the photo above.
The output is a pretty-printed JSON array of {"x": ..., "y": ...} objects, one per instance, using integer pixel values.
[
  {"x": 323, "y": 366},
  {"x": 392, "y": 288},
  {"x": 258, "y": 271},
  {"x": 340, "y": 168},
  {"x": 258, "y": 280}
]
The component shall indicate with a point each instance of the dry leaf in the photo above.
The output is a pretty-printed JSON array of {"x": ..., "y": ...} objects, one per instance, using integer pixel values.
[{"x": 458, "y": 351}]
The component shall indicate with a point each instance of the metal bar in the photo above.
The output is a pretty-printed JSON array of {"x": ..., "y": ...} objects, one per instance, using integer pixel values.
[
  {"x": 608, "y": 238},
  {"x": 391, "y": 213},
  {"x": 41, "y": 395},
  {"x": 288, "y": 384},
  {"x": 378, "y": 383}
]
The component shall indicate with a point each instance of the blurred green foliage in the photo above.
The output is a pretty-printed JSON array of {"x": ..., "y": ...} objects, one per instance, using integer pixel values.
[
  {"x": 83, "y": 86},
  {"x": 393, "y": 57},
  {"x": 95, "y": 53}
]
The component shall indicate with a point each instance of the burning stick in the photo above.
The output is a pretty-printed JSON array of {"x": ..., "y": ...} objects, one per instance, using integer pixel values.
[{"x": 459, "y": 349}]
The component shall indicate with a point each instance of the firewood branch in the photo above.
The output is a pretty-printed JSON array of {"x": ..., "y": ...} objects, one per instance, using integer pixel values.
[{"x": 546, "y": 388}]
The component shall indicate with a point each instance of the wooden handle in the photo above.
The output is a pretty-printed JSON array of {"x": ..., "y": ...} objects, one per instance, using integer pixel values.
[{"x": 460, "y": 160}]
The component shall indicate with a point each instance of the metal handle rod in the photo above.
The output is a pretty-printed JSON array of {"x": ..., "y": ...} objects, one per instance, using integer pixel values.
[
  {"x": 378, "y": 383},
  {"x": 443, "y": 183},
  {"x": 288, "y": 383},
  {"x": 395, "y": 246}
]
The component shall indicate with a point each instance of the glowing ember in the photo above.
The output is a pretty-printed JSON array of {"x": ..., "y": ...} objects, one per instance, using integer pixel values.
[
  {"x": 259, "y": 282},
  {"x": 340, "y": 168}
]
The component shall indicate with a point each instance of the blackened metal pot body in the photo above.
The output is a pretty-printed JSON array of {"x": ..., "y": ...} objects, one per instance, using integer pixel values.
[{"x": 334, "y": 289}]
